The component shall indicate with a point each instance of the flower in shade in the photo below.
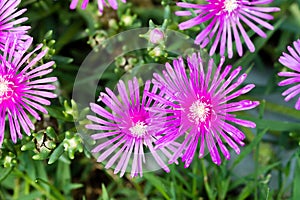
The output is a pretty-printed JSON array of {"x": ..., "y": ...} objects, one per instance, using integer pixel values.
[
  {"x": 127, "y": 132},
  {"x": 292, "y": 61},
  {"x": 203, "y": 111},
  {"x": 101, "y": 4},
  {"x": 225, "y": 23},
  {"x": 156, "y": 36},
  {"x": 22, "y": 90},
  {"x": 9, "y": 24}
]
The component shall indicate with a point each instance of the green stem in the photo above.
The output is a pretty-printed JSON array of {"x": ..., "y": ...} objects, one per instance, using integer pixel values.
[
  {"x": 16, "y": 189},
  {"x": 194, "y": 187},
  {"x": 35, "y": 185},
  {"x": 256, "y": 172},
  {"x": 205, "y": 180}
]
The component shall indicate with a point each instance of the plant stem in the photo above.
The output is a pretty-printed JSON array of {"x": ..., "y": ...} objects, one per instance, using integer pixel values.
[
  {"x": 194, "y": 187},
  {"x": 35, "y": 185},
  {"x": 205, "y": 180}
]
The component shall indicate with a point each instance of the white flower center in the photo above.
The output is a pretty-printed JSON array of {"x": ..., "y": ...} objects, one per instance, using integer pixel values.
[
  {"x": 230, "y": 5},
  {"x": 199, "y": 111},
  {"x": 139, "y": 129},
  {"x": 5, "y": 89}
]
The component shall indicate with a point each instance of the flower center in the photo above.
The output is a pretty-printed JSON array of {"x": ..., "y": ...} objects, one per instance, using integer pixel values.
[
  {"x": 230, "y": 5},
  {"x": 5, "y": 89},
  {"x": 199, "y": 112},
  {"x": 139, "y": 129}
]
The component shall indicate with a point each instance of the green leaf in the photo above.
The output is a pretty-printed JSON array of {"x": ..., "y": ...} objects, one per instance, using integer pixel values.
[
  {"x": 249, "y": 148},
  {"x": 63, "y": 177},
  {"x": 246, "y": 192},
  {"x": 28, "y": 146},
  {"x": 32, "y": 195},
  {"x": 158, "y": 184},
  {"x": 53, "y": 189},
  {"x": 4, "y": 173},
  {"x": 273, "y": 125},
  {"x": 104, "y": 193},
  {"x": 296, "y": 183},
  {"x": 42, "y": 174},
  {"x": 74, "y": 186},
  {"x": 173, "y": 192},
  {"x": 68, "y": 35},
  {"x": 57, "y": 113},
  {"x": 56, "y": 154}
]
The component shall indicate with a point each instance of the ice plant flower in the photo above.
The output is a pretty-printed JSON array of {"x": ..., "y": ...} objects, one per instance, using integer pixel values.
[
  {"x": 9, "y": 23},
  {"x": 292, "y": 61},
  {"x": 22, "y": 91},
  {"x": 101, "y": 4},
  {"x": 127, "y": 132},
  {"x": 156, "y": 36},
  {"x": 203, "y": 108},
  {"x": 225, "y": 18}
]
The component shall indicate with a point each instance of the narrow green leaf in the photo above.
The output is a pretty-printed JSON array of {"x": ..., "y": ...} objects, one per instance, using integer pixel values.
[
  {"x": 74, "y": 186},
  {"x": 296, "y": 184},
  {"x": 4, "y": 173},
  {"x": 63, "y": 177},
  {"x": 56, "y": 154},
  {"x": 32, "y": 195},
  {"x": 273, "y": 124},
  {"x": 249, "y": 148},
  {"x": 57, "y": 113},
  {"x": 246, "y": 192},
  {"x": 104, "y": 193},
  {"x": 41, "y": 173},
  {"x": 173, "y": 192},
  {"x": 53, "y": 189},
  {"x": 158, "y": 184}
]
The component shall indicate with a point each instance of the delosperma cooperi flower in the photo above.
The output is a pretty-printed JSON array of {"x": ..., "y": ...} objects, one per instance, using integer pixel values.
[
  {"x": 128, "y": 131},
  {"x": 101, "y": 4},
  {"x": 22, "y": 90},
  {"x": 9, "y": 24},
  {"x": 226, "y": 20},
  {"x": 292, "y": 61},
  {"x": 203, "y": 108}
]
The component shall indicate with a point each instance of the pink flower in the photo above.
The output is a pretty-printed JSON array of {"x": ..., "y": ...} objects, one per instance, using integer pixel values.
[
  {"x": 101, "y": 4},
  {"x": 22, "y": 91},
  {"x": 156, "y": 36},
  {"x": 127, "y": 132},
  {"x": 292, "y": 61},
  {"x": 225, "y": 23},
  {"x": 8, "y": 23},
  {"x": 202, "y": 109}
]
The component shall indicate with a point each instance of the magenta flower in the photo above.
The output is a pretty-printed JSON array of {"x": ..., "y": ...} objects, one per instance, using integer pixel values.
[
  {"x": 201, "y": 107},
  {"x": 225, "y": 17},
  {"x": 8, "y": 23},
  {"x": 22, "y": 91},
  {"x": 156, "y": 36},
  {"x": 125, "y": 132},
  {"x": 101, "y": 4},
  {"x": 292, "y": 61}
]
